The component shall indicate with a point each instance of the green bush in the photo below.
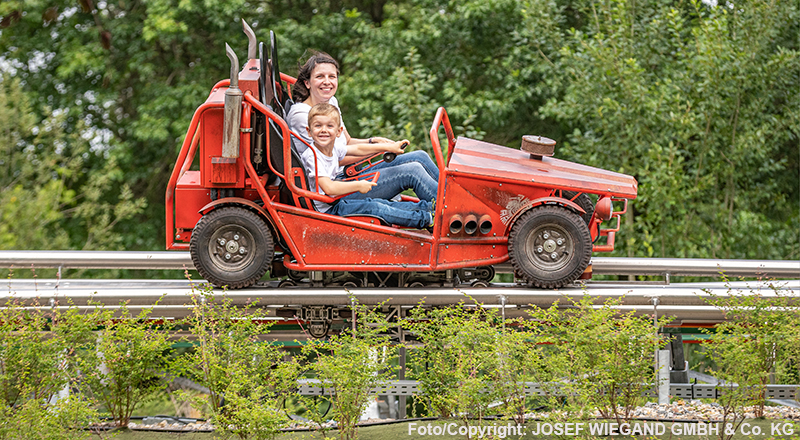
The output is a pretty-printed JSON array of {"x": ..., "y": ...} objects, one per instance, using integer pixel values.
[
  {"x": 757, "y": 343},
  {"x": 351, "y": 364},
  {"x": 247, "y": 378}
]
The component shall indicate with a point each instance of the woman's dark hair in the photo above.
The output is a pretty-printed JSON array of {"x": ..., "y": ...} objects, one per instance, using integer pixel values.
[{"x": 299, "y": 91}]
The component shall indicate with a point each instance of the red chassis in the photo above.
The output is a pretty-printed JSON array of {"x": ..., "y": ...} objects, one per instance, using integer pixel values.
[{"x": 494, "y": 204}]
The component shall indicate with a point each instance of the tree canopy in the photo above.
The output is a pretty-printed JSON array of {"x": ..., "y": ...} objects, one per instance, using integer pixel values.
[{"x": 699, "y": 100}]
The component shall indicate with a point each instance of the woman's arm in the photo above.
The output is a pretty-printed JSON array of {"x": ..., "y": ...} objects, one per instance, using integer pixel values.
[
  {"x": 372, "y": 140},
  {"x": 335, "y": 188},
  {"x": 366, "y": 149}
]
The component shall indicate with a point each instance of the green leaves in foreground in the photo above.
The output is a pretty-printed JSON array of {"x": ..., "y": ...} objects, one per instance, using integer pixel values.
[{"x": 247, "y": 377}]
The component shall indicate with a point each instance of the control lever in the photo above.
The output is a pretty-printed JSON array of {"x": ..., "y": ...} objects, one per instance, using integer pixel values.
[{"x": 388, "y": 157}]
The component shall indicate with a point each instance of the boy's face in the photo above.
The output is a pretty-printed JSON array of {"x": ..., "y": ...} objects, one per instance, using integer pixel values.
[{"x": 324, "y": 130}]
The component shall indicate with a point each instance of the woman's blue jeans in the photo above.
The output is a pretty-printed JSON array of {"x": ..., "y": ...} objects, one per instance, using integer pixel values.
[
  {"x": 408, "y": 214},
  {"x": 414, "y": 170}
]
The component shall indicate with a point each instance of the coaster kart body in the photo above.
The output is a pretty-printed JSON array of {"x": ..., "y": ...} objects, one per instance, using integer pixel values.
[{"x": 238, "y": 200}]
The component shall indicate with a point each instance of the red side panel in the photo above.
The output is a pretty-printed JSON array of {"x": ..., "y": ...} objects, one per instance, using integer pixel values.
[
  {"x": 324, "y": 240},
  {"x": 190, "y": 196}
]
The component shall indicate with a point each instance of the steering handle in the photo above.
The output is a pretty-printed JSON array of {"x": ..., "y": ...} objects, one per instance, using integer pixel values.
[{"x": 389, "y": 157}]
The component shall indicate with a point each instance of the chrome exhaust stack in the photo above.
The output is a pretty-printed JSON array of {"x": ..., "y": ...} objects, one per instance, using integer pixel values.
[
  {"x": 233, "y": 110},
  {"x": 252, "y": 43}
]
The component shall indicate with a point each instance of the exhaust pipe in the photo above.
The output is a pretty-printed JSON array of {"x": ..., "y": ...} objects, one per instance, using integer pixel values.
[
  {"x": 485, "y": 224},
  {"x": 251, "y": 41},
  {"x": 233, "y": 110},
  {"x": 456, "y": 223},
  {"x": 470, "y": 224}
]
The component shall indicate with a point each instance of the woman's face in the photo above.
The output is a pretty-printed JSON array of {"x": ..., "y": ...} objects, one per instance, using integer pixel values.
[{"x": 323, "y": 83}]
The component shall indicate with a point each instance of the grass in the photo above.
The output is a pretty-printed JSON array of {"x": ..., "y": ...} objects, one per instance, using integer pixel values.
[{"x": 400, "y": 431}]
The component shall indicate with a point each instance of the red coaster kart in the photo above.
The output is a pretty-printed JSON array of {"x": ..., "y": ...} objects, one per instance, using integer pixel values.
[{"x": 246, "y": 208}]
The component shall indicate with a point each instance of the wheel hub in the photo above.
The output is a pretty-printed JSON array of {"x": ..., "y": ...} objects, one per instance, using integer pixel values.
[
  {"x": 549, "y": 247},
  {"x": 229, "y": 247}
]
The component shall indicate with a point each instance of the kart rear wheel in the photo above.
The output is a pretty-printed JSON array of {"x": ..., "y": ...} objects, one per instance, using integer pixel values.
[
  {"x": 550, "y": 246},
  {"x": 232, "y": 247}
]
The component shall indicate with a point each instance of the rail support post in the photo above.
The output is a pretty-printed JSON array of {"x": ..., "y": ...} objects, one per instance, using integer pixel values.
[{"x": 663, "y": 376}]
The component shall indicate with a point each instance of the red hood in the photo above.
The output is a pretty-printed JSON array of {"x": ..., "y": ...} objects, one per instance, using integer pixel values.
[{"x": 471, "y": 157}]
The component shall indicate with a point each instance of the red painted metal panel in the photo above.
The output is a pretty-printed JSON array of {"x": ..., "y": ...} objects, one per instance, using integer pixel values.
[
  {"x": 467, "y": 254},
  {"x": 326, "y": 240},
  {"x": 190, "y": 196},
  {"x": 471, "y": 157}
]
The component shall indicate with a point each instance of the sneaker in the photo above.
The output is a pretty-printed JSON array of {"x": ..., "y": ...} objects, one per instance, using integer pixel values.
[{"x": 430, "y": 225}]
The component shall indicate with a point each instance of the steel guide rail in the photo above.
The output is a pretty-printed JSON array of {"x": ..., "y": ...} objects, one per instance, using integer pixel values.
[
  {"x": 600, "y": 265},
  {"x": 313, "y": 387},
  {"x": 685, "y": 301}
]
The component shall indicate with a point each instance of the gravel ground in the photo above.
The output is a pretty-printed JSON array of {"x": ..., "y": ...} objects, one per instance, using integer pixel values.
[
  {"x": 679, "y": 410},
  {"x": 696, "y": 410}
]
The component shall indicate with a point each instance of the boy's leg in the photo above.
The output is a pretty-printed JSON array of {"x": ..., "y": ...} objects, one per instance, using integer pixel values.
[
  {"x": 395, "y": 215},
  {"x": 396, "y": 179},
  {"x": 423, "y": 205}
]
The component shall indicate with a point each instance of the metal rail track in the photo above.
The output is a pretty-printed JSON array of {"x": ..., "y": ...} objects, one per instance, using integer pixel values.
[
  {"x": 686, "y": 301},
  {"x": 600, "y": 265}
]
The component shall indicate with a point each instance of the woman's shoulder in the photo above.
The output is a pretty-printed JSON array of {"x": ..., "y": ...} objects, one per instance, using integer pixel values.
[{"x": 298, "y": 108}]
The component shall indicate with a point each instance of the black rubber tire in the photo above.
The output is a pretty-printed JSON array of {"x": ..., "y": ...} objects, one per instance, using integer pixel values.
[
  {"x": 533, "y": 241},
  {"x": 240, "y": 228},
  {"x": 584, "y": 201}
]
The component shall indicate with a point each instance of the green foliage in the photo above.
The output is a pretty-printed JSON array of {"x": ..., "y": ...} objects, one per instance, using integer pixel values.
[
  {"x": 600, "y": 357},
  {"x": 34, "y": 419},
  {"x": 31, "y": 361},
  {"x": 36, "y": 346},
  {"x": 124, "y": 367},
  {"x": 351, "y": 364},
  {"x": 247, "y": 377},
  {"x": 48, "y": 201},
  {"x": 698, "y": 102},
  {"x": 459, "y": 355},
  {"x": 757, "y": 344}
]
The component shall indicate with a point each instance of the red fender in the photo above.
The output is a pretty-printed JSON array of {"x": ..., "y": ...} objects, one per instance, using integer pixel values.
[
  {"x": 239, "y": 201},
  {"x": 541, "y": 201}
]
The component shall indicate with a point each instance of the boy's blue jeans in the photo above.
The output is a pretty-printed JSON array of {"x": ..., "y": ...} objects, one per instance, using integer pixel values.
[
  {"x": 414, "y": 170},
  {"x": 408, "y": 214}
]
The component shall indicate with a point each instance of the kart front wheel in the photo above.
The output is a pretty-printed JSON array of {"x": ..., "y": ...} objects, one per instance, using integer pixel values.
[
  {"x": 232, "y": 247},
  {"x": 550, "y": 246}
]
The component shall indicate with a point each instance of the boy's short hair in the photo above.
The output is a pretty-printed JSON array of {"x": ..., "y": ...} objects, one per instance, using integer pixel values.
[{"x": 324, "y": 109}]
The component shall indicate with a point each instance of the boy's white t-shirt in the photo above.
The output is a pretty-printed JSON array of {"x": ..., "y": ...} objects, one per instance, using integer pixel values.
[
  {"x": 323, "y": 166},
  {"x": 298, "y": 123}
]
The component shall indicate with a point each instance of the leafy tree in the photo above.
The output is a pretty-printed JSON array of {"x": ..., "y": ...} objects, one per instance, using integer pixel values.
[
  {"x": 699, "y": 102},
  {"x": 351, "y": 364},
  {"x": 247, "y": 377},
  {"x": 758, "y": 342},
  {"x": 125, "y": 366}
]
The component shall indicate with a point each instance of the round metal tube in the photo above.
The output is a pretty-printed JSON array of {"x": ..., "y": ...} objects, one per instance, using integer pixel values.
[
  {"x": 456, "y": 223},
  {"x": 600, "y": 265},
  {"x": 485, "y": 224},
  {"x": 252, "y": 43},
  {"x": 233, "y": 110},
  {"x": 470, "y": 224},
  {"x": 176, "y": 293}
]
